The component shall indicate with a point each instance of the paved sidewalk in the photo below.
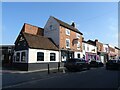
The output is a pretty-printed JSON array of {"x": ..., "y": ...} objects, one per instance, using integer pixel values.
[{"x": 30, "y": 71}]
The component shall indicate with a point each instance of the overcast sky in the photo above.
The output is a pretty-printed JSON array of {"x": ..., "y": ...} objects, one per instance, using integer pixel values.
[{"x": 96, "y": 20}]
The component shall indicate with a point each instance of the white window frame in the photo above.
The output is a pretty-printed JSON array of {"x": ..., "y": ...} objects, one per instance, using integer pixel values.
[
  {"x": 66, "y": 43},
  {"x": 43, "y": 57},
  {"x": 83, "y": 46},
  {"x": 20, "y": 56},
  {"x": 25, "y": 56},
  {"x": 77, "y": 35},
  {"x": 54, "y": 56},
  {"x": 67, "y": 30},
  {"x": 78, "y": 45}
]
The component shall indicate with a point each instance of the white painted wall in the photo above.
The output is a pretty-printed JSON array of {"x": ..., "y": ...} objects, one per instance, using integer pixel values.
[
  {"x": 91, "y": 47},
  {"x": 54, "y": 34},
  {"x": 102, "y": 59},
  {"x": 104, "y": 48},
  {"x": 75, "y": 54},
  {"x": 32, "y": 57}
]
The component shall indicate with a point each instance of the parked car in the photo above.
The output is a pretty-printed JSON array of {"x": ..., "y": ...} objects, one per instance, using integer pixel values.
[
  {"x": 75, "y": 64},
  {"x": 113, "y": 64},
  {"x": 96, "y": 63}
]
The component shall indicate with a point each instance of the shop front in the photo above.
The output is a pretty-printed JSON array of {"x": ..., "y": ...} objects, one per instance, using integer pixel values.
[
  {"x": 66, "y": 54},
  {"x": 103, "y": 57},
  {"x": 112, "y": 56},
  {"x": 91, "y": 56}
]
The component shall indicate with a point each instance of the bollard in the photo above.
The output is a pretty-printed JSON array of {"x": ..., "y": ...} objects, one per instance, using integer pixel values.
[
  {"x": 58, "y": 66},
  {"x": 48, "y": 69}
]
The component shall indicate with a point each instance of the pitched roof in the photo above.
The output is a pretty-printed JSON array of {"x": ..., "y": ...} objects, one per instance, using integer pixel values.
[
  {"x": 39, "y": 42},
  {"x": 117, "y": 48},
  {"x": 91, "y": 42},
  {"x": 67, "y": 25},
  {"x": 88, "y": 42},
  {"x": 84, "y": 41}
]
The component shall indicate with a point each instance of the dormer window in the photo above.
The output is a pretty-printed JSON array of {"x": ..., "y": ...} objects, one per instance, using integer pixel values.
[{"x": 67, "y": 32}]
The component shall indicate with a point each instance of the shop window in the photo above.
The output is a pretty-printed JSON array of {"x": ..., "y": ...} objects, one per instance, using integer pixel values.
[
  {"x": 40, "y": 56},
  {"x": 52, "y": 56}
]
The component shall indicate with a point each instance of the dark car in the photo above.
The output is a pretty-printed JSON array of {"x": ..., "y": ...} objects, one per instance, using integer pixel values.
[
  {"x": 113, "y": 64},
  {"x": 96, "y": 63},
  {"x": 76, "y": 64}
]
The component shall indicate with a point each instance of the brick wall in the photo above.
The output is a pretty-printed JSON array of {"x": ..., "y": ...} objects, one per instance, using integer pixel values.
[
  {"x": 111, "y": 49},
  {"x": 99, "y": 47},
  {"x": 33, "y": 30},
  {"x": 72, "y": 36}
]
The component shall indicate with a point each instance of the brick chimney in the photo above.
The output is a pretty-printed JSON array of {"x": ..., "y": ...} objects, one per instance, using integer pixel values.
[{"x": 31, "y": 29}]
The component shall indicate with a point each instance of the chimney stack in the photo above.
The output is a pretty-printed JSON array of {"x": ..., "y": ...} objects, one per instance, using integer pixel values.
[
  {"x": 82, "y": 38},
  {"x": 96, "y": 40},
  {"x": 73, "y": 24}
]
